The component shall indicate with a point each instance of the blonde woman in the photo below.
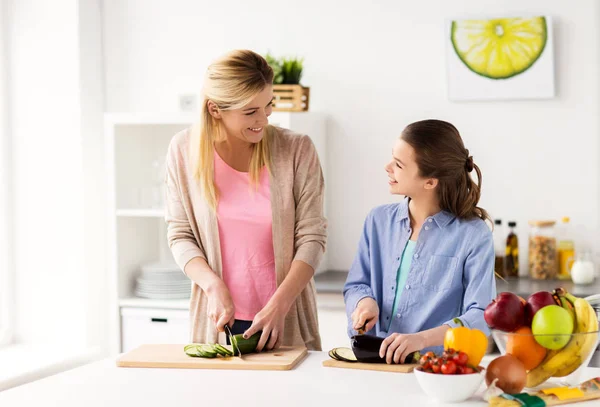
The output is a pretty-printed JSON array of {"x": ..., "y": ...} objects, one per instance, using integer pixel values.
[{"x": 245, "y": 212}]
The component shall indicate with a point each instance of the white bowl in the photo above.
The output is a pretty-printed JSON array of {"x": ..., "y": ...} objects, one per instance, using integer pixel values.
[{"x": 449, "y": 388}]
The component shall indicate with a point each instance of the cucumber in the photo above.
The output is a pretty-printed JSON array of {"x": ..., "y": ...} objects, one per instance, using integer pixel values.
[
  {"x": 223, "y": 351},
  {"x": 208, "y": 350},
  {"x": 239, "y": 346},
  {"x": 245, "y": 346}
]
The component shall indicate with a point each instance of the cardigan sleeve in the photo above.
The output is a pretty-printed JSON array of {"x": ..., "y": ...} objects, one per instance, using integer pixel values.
[
  {"x": 182, "y": 242},
  {"x": 310, "y": 232}
]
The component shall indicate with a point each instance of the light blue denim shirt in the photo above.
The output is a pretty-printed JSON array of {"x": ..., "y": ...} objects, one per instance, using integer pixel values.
[{"x": 451, "y": 275}]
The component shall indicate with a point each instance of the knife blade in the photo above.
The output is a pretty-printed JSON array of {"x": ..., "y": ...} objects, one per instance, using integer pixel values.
[{"x": 233, "y": 341}]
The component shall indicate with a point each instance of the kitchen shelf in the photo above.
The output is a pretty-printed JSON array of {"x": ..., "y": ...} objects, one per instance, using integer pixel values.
[{"x": 138, "y": 302}]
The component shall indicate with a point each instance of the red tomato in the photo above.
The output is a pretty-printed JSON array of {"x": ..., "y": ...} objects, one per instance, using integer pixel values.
[
  {"x": 449, "y": 367},
  {"x": 460, "y": 358},
  {"x": 435, "y": 365}
]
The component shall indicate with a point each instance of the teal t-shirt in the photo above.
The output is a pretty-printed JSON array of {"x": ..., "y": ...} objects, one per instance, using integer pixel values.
[{"x": 403, "y": 270}]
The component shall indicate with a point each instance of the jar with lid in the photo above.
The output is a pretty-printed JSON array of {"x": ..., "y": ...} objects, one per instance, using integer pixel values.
[{"x": 543, "y": 255}]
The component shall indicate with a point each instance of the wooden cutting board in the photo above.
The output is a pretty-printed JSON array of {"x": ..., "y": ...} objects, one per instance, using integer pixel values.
[
  {"x": 381, "y": 367},
  {"x": 173, "y": 356}
]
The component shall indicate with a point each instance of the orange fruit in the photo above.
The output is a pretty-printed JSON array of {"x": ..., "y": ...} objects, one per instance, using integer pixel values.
[{"x": 523, "y": 346}]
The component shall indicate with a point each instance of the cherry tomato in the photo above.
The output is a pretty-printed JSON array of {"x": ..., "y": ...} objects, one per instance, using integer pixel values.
[
  {"x": 435, "y": 365},
  {"x": 468, "y": 370},
  {"x": 425, "y": 362},
  {"x": 430, "y": 355},
  {"x": 460, "y": 358},
  {"x": 460, "y": 369},
  {"x": 449, "y": 367}
]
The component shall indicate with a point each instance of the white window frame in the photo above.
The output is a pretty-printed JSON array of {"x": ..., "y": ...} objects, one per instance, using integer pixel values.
[{"x": 6, "y": 248}]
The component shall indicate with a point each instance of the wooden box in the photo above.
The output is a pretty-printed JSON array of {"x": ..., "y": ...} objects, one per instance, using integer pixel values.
[{"x": 290, "y": 98}]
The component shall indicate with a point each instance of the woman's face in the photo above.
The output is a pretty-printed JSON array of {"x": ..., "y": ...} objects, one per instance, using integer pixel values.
[
  {"x": 402, "y": 170},
  {"x": 248, "y": 123}
]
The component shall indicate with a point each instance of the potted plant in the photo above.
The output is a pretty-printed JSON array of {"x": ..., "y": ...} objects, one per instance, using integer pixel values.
[{"x": 290, "y": 95}]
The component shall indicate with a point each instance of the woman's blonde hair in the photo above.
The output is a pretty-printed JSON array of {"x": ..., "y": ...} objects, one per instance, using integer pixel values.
[{"x": 231, "y": 82}]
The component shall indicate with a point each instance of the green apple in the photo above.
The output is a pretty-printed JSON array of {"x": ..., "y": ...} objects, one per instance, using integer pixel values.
[{"x": 552, "y": 326}]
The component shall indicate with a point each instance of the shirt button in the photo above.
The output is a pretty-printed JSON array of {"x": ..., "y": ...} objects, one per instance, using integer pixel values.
[
  {"x": 407, "y": 287},
  {"x": 416, "y": 256},
  {"x": 398, "y": 315},
  {"x": 392, "y": 288},
  {"x": 397, "y": 258},
  {"x": 387, "y": 317},
  {"x": 426, "y": 227},
  {"x": 430, "y": 220}
]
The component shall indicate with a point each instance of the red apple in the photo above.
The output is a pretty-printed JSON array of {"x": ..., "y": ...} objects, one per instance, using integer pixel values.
[
  {"x": 506, "y": 312},
  {"x": 535, "y": 302}
]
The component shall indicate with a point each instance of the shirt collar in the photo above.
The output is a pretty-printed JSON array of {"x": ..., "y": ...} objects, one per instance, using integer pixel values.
[{"x": 442, "y": 218}]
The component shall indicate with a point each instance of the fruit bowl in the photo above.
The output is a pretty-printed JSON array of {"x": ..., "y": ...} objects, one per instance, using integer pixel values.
[
  {"x": 449, "y": 388},
  {"x": 564, "y": 364}
]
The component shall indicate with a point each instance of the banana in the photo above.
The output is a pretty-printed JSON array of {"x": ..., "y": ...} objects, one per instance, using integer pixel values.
[
  {"x": 539, "y": 375},
  {"x": 566, "y": 360},
  {"x": 590, "y": 339},
  {"x": 566, "y": 304}
]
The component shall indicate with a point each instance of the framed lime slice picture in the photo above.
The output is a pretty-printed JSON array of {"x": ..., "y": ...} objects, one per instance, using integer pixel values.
[{"x": 499, "y": 48}]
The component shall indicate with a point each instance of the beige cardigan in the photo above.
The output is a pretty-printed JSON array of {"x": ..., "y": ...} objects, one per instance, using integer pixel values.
[{"x": 299, "y": 227}]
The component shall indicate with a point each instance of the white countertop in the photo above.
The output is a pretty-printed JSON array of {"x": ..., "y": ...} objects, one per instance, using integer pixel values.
[{"x": 102, "y": 384}]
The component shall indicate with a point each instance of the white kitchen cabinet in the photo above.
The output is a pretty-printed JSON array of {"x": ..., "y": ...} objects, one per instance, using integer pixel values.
[
  {"x": 151, "y": 325},
  {"x": 136, "y": 146}
]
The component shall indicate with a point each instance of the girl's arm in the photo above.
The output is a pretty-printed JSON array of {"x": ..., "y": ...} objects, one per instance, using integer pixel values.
[{"x": 357, "y": 286}]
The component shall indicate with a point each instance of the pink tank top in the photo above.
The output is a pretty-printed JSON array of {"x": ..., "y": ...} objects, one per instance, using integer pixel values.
[{"x": 246, "y": 237}]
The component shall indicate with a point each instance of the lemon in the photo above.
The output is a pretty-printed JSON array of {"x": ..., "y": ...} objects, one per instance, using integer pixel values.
[{"x": 499, "y": 48}]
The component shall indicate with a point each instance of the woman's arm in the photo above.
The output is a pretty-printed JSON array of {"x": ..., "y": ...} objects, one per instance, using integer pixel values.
[
  {"x": 187, "y": 251},
  {"x": 181, "y": 239}
]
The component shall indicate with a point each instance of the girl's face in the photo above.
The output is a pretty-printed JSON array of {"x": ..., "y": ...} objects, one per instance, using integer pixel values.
[
  {"x": 248, "y": 123},
  {"x": 403, "y": 173}
]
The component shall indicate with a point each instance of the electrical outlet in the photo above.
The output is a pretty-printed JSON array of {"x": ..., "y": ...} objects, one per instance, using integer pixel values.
[{"x": 188, "y": 103}]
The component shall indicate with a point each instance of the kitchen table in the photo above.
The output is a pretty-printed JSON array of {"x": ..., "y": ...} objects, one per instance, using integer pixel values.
[{"x": 102, "y": 384}]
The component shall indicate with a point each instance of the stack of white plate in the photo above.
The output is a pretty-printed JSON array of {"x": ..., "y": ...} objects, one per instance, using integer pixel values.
[{"x": 161, "y": 281}]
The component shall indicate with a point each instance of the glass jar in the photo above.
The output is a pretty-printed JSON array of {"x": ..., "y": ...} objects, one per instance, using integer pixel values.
[{"x": 543, "y": 255}]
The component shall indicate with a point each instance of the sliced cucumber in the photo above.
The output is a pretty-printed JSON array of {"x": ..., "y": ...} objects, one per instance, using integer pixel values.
[
  {"x": 344, "y": 354},
  {"x": 222, "y": 350},
  {"x": 208, "y": 350},
  {"x": 238, "y": 343},
  {"x": 193, "y": 351}
]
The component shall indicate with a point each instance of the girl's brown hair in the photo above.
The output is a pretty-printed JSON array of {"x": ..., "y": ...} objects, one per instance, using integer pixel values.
[{"x": 441, "y": 154}]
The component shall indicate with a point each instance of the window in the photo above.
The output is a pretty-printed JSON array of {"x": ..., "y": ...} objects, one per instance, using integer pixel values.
[{"x": 5, "y": 182}]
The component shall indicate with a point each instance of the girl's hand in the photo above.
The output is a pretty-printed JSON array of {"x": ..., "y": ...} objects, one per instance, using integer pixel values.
[
  {"x": 366, "y": 313},
  {"x": 270, "y": 320},
  {"x": 396, "y": 347},
  {"x": 220, "y": 305}
]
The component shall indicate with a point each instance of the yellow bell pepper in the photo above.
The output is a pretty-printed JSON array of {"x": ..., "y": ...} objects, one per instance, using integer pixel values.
[{"x": 471, "y": 341}]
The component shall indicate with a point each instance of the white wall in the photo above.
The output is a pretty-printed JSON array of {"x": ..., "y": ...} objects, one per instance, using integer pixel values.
[
  {"x": 91, "y": 98},
  {"x": 55, "y": 116},
  {"x": 5, "y": 187},
  {"x": 374, "y": 67}
]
